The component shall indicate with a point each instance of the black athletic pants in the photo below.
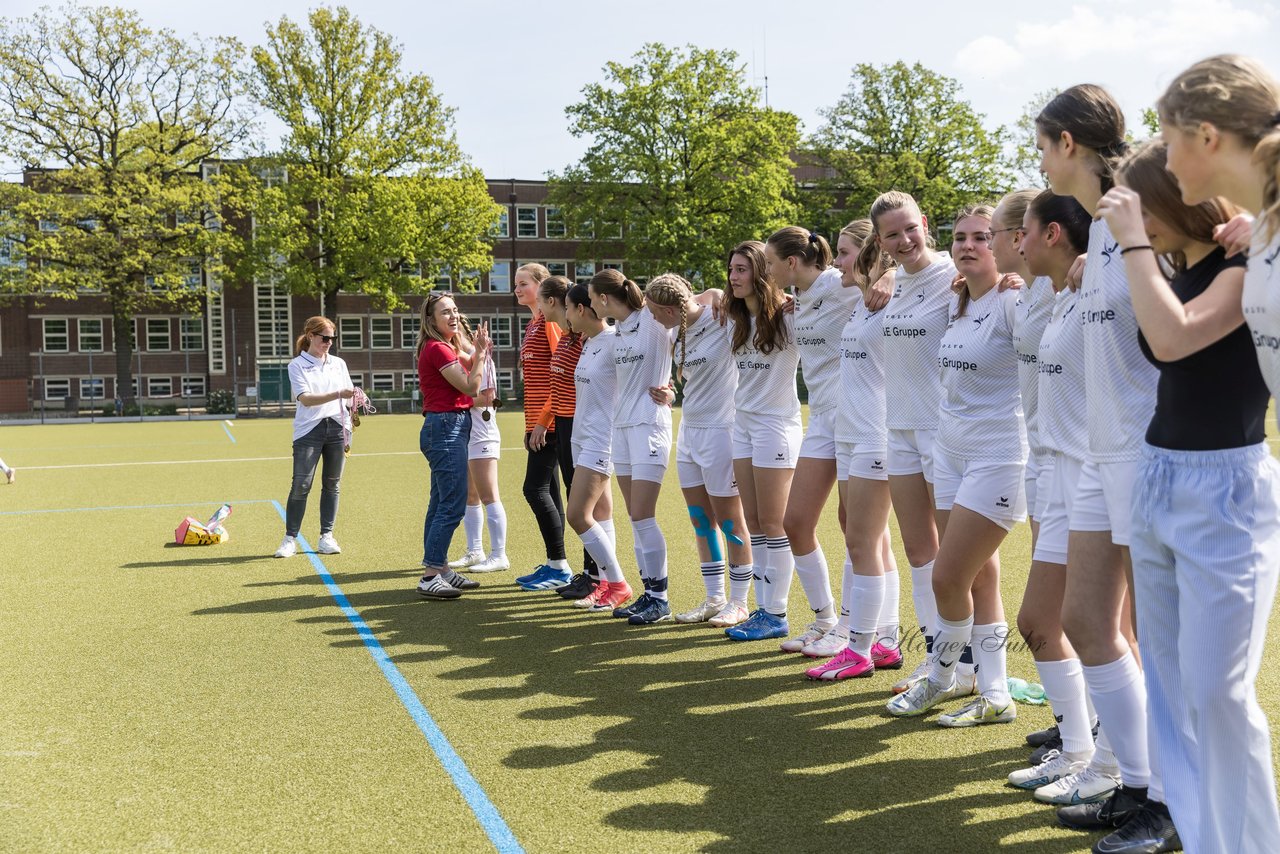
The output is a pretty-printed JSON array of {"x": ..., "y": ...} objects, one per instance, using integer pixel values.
[{"x": 542, "y": 491}]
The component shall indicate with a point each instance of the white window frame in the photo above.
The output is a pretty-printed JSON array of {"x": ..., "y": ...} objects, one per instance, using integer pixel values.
[
  {"x": 583, "y": 272},
  {"x": 357, "y": 380},
  {"x": 506, "y": 380},
  {"x": 409, "y": 380},
  {"x": 496, "y": 329},
  {"x": 383, "y": 381},
  {"x": 375, "y": 330},
  {"x": 557, "y": 268},
  {"x": 526, "y": 230},
  {"x": 409, "y": 324},
  {"x": 81, "y": 335},
  {"x": 168, "y": 336},
  {"x": 188, "y": 385},
  {"x": 184, "y": 334},
  {"x": 153, "y": 382},
  {"x": 93, "y": 388},
  {"x": 555, "y": 220},
  {"x": 500, "y": 284},
  {"x": 502, "y": 227},
  {"x": 64, "y": 335},
  {"x": 346, "y": 333},
  {"x": 63, "y": 383}
]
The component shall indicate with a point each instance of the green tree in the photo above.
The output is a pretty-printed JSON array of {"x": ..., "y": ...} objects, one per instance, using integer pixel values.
[
  {"x": 375, "y": 196},
  {"x": 1026, "y": 157},
  {"x": 683, "y": 163},
  {"x": 904, "y": 127},
  {"x": 113, "y": 120}
]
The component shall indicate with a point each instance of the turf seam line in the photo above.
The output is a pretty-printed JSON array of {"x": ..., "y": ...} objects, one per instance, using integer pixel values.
[
  {"x": 129, "y": 507},
  {"x": 472, "y": 792},
  {"x": 226, "y": 426}
]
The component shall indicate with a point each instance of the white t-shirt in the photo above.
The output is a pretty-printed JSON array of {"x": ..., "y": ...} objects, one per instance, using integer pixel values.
[
  {"x": 1261, "y": 303},
  {"x": 981, "y": 415},
  {"x": 820, "y": 314},
  {"x": 1035, "y": 304},
  {"x": 309, "y": 375},
  {"x": 861, "y": 410},
  {"x": 642, "y": 358},
  {"x": 914, "y": 321},
  {"x": 1063, "y": 419},
  {"x": 1120, "y": 390},
  {"x": 767, "y": 383},
  {"x": 710, "y": 375},
  {"x": 595, "y": 382}
]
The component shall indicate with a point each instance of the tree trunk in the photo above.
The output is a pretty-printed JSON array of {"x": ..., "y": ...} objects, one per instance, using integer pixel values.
[
  {"x": 331, "y": 304},
  {"x": 122, "y": 333}
]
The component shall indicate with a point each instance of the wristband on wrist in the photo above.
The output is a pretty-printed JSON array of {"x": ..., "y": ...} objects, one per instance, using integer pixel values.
[{"x": 1129, "y": 249}]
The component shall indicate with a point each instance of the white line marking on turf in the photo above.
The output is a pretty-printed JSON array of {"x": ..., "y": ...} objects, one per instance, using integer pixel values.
[
  {"x": 213, "y": 460},
  {"x": 490, "y": 820},
  {"x": 128, "y": 507}
]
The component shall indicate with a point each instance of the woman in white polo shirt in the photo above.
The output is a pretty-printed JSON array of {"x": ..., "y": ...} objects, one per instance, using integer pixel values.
[{"x": 320, "y": 383}]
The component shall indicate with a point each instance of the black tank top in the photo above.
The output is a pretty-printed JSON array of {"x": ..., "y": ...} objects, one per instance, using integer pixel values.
[{"x": 1213, "y": 399}]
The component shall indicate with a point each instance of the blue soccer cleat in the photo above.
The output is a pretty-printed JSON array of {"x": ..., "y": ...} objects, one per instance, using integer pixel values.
[{"x": 761, "y": 625}]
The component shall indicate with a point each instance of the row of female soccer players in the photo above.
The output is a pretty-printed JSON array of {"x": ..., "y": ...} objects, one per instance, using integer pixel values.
[{"x": 1126, "y": 419}]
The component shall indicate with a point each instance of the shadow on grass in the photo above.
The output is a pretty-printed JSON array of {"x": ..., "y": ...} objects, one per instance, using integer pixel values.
[
  {"x": 196, "y": 561},
  {"x": 781, "y": 763}
]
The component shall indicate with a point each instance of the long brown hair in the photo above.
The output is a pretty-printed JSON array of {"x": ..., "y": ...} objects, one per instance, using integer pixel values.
[
  {"x": 1094, "y": 120},
  {"x": 314, "y": 326},
  {"x": 427, "y": 330},
  {"x": 795, "y": 242},
  {"x": 771, "y": 325},
  {"x": 611, "y": 283}
]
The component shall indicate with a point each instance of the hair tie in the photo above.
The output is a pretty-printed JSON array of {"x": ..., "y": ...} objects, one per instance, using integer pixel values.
[
  {"x": 1275, "y": 120},
  {"x": 813, "y": 237}
]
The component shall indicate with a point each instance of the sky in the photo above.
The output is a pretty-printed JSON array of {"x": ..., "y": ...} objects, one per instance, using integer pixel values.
[{"x": 509, "y": 69}]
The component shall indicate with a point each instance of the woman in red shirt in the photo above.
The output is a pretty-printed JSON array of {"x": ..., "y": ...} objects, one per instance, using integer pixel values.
[{"x": 447, "y": 391}]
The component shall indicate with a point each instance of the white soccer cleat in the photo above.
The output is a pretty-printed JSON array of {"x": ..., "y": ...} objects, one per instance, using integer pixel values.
[
  {"x": 828, "y": 645},
  {"x": 1088, "y": 786},
  {"x": 328, "y": 545},
  {"x": 730, "y": 615},
  {"x": 468, "y": 559},
  {"x": 12, "y": 475},
  {"x": 921, "y": 671},
  {"x": 496, "y": 563},
  {"x": 811, "y": 633},
  {"x": 1055, "y": 766},
  {"x": 924, "y": 695},
  {"x": 979, "y": 711},
  {"x": 288, "y": 547},
  {"x": 708, "y": 609}
]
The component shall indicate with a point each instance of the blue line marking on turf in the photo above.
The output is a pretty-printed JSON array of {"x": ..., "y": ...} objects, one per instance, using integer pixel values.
[
  {"x": 490, "y": 820},
  {"x": 228, "y": 431},
  {"x": 128, "y": 507}
]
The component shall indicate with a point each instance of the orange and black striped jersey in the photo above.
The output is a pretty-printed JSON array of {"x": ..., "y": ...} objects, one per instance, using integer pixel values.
[
  {"x": 536, "y": 349},
  {"x": 563, "y": 364}
]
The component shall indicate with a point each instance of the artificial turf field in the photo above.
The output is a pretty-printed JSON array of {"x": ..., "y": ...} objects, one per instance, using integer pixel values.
[{"x": 156, "y": 697}]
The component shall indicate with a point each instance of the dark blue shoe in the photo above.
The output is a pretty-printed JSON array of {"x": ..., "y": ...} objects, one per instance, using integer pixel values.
[
  {"x": 761, "y": 625},
  {"x": 641, "y": 602},
  {"x": 655, "y": 612}
]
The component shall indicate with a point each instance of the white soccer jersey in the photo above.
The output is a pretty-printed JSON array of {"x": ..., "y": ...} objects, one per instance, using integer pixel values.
[
  {"x": 710, "y": 374},
  {"x": 1261, "y": 303},
  {"x": 981, "y": 413},
  {"x": 767, "y": 383},
  {"x": 914, "y": 322},
  {"x": 595, "y": 382},
  {"x": 861, "y": 411},
  {"x": 1035, "y": 304},
  {"x": 1120, "y": 391},
  {"x": 820, "y": 315},
  {"x": 1063, "y": 419},
  {"x": 642, "y": 357}
]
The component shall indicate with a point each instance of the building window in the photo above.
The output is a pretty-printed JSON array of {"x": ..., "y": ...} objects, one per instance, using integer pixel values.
[
  {"x": 500, "y": 331},
  {"x": 506, "y": 380},
  {"x": 380, "y": 333},
  {"x": 444, "y": 279},
  {"x": 56, "y": 388},
  {"x": 159, "y": 337},
  {"x": 357, "y": 380},
  {"x": 159, "y": 386},
  {"x": 500, "y": 278},
  {"x": 526, "y": 222},
  {"x": 93, "y": 388},
  {"x": 557, "y": 268},
  {"x": 583, "y": 271},
  {"x": 273, "y": 176},
  {"x": 384, "y": 382},
  {"x": 351, "y": 333},
  {"x": 525, "y": 320},
  {"x": 501, "y": 229},
  {"x": 271, "y": 309},
  {"x": 55, "y": 335},
  {"x": 555, "y": 223},
  {"x": 191, "y": 334},
  {"x": 409, "y": 380},
  {"x": 90, "y": 335},
  {"x": 469, "y": 281},
  {"x": 409, "y": 331},
  {"x": 193, "y": 386}
]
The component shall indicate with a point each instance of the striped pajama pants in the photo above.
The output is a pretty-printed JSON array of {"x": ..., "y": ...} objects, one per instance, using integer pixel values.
[{"x": 1206, "y": 555}]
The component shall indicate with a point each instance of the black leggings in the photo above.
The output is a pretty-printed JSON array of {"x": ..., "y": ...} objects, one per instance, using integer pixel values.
[
  {"x": 542, "y": 491},
  {"x": 564, "y": 451}
]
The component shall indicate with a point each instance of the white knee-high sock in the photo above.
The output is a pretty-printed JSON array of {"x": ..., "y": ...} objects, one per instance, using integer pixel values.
[
  {"x": 607, "y": 524},
  {"x": 948, "y": 644},
  {"x": 990, "y": 652},
  {"x": 597, "y": 544},
  {"x": 759, "y": 566},
  {"x": 641, "y": 563},
  {"x": 846, "y": 593},
  {"x": 1065, "y": 690},
  {"x": 1120, "y": 696},
  {"x": 496, "y": 515},
  {"x": 781, "y": 566},
  {"x": 713, "y": 579},
  {"x": 473, "y": 527},
  {"x": 926, "y": 606},
  {"x": 816, "y": 581},
  {"x": 740, "y": 582},
  {"x": 650, "y": 541},
  {"x": 1104, "y": 758},
  {"x": 888, "y": 630},
  {"x": 868, "y": 602}
]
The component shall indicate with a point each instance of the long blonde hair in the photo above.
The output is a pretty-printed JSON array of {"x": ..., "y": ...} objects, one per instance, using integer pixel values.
[
  {"x": 673, "y": 290},
  {"x": 427, "y": 330}
]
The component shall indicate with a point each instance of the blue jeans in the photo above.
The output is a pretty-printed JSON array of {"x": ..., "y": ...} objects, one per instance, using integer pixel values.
[
  {"x": 443, "y": 442},
  {"x": 325, "y": 440}
]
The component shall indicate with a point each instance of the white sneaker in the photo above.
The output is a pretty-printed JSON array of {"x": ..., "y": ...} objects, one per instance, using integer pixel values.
[
  {"x": 1055, "y": 766},
  {"x": 811, "y": 633},
  {"x": 12, "y": 475},
  {"x": 827, "y": 645},
  {"x": 328, "y": 545},
  {"x": 468, "y": 559},
  {"x": 924, "y": 695},
  {"x": 288, "y": 547},
  {"x": 1087, "y": 786},
  {"x": 489, "y": 564},
  {"x": 708, "y": 609},
  {"x": 731, "y": 614}
]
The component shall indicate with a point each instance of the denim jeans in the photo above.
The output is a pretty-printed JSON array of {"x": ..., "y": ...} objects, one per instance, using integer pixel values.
[
  {"x": 324, "y": 440},
  {"x": 444, "y": 441}
]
